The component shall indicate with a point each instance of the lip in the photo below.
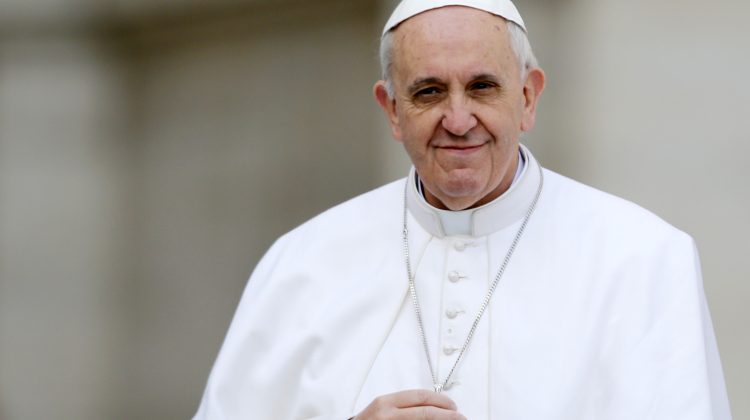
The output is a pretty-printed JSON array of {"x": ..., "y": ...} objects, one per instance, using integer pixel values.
[{"x": 463, "y": 150}]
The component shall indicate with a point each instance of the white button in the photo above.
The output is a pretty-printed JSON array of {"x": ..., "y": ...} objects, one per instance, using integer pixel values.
[
  {"x": 448, "y": 350},
  {"x": 452, "y": 313},
  {"x": 454, "y": 276},
  {"x": 459, "y": 246}
]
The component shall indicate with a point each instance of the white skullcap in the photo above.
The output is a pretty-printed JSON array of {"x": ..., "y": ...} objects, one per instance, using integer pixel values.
[{"x": 409, "y": 8}]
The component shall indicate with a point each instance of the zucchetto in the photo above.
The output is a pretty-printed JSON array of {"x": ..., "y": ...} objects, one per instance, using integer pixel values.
[{"x": 409, "y": 8}]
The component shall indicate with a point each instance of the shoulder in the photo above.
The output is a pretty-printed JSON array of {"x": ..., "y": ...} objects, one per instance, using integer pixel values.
[
  {"x": 370, "y": 210},
  {"x": 333, "y": 251},
  {"x": 609, "y": 218},
  {"x": 622, "y": 249},
  {"x": 369, "y": 215}
]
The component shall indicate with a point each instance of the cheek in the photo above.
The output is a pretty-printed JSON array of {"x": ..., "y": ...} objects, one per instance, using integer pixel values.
[
  {"x": 416, "y": 151},
  {"x": 417, "y": 131},
  {"x": 503, "y": 124}
]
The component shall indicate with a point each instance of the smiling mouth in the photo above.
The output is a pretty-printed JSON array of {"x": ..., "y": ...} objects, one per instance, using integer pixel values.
[{"x": 462, "y": 149}]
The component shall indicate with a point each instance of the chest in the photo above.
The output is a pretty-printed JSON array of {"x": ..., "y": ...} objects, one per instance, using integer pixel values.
[{"x": 531, "y": 344}]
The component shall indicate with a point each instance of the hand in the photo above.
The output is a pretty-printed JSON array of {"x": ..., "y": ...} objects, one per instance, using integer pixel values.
[{"x": 414, "y": 404}]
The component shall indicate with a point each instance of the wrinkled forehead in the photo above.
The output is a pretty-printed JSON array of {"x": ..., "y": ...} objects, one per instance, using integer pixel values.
[
  {"x": 409, "y": 8},
  {"x": 456, "y": 30},
  {"x": 428, "y": 44}
]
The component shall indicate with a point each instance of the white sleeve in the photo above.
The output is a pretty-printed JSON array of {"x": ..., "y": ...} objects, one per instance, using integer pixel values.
[{"x": 669, "y": 368}]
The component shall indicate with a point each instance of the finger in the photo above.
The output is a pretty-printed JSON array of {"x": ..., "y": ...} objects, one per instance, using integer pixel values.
[
  {"x": 419, "y": 398},
  {"x": 428, "y": 412}
]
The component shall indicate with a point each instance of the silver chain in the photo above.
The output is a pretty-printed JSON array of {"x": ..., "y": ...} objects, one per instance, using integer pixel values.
[{"x": 437, "y": 386}]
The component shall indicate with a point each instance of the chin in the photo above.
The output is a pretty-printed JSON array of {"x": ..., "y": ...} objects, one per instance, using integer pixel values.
[
  {"x": 462, "y": 188},
  {"x": 458, "y": 189},
  {"x": 463, "y": 204},
  {"x": 460, "y": 198}
]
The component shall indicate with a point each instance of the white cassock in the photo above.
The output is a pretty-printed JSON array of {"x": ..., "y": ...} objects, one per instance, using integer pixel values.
[{"x": 600, "y": 315}]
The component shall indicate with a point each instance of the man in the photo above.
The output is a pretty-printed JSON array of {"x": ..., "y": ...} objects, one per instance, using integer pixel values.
[{"x": 482, "y": 286}]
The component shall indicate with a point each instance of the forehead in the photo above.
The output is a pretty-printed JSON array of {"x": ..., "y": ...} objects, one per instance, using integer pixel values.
[{"x": 450, "y": 39}]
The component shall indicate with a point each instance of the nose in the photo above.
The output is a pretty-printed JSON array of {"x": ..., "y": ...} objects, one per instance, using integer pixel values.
[{"x": 459, "y": 118}]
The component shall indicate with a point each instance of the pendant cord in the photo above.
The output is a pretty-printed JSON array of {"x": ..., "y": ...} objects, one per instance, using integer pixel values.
[{"x": 437, "y": 386}]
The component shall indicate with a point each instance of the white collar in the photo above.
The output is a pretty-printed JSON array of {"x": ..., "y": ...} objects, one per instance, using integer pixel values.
[{"x": 501, "y": 212}]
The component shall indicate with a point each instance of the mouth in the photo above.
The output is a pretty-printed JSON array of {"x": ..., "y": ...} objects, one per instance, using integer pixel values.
[{"x": 462, "y": 149}]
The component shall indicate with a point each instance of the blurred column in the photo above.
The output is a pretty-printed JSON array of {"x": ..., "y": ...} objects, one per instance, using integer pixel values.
[
  {"x": 251, "y": 120},
  {"x": 62, "y": 230}
]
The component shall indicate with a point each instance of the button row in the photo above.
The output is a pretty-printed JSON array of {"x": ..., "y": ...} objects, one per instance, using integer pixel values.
[{"x": 454, "y": 277}]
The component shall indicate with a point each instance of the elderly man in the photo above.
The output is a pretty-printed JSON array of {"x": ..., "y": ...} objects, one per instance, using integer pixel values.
[{"x": 481, "y": 286}]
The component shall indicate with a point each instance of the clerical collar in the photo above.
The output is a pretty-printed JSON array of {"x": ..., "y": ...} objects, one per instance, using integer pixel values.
[{"x": 503, "y": 211}]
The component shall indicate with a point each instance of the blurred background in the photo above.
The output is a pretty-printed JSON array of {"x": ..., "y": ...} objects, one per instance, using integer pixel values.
[{"x": 151, "y": 150}]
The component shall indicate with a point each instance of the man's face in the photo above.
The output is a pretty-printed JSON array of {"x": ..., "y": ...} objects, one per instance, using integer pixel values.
[{"x": 460, "y": 104}]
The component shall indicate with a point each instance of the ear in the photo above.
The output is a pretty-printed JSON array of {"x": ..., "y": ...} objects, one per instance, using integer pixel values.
[
  {"x": 388, "y": 105},
  {"x": 532, "y": 90}
]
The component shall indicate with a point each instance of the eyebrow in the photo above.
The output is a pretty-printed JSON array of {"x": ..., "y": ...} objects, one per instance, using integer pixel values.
[{"x": 486, "y": 76}]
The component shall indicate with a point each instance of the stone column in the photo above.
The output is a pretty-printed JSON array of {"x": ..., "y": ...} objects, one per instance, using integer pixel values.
[{"x": 62, "y": 227}]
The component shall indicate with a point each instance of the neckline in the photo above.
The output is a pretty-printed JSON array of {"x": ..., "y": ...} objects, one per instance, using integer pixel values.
[{"x": 496, "y": 215}]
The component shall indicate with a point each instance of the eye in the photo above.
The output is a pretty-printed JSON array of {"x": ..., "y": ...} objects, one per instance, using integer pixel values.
[
  {"x": 426, "y": 92},
  {"x": 428, "y": 95},
  {"x": 482, "y": 86}
]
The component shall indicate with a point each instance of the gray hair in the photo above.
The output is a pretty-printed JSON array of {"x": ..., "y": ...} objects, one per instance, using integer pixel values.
[{"x": 519, "y": 41}]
